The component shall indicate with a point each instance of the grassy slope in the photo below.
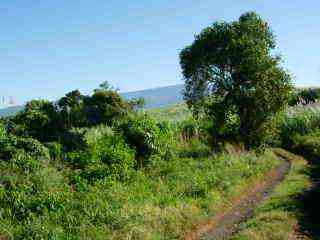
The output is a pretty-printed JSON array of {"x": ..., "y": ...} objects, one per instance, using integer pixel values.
[
  {"x": 278, "y": 216},
  {"x": 173, "y": 113}
]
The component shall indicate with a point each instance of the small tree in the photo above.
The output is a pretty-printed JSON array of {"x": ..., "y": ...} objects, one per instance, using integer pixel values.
[
  {"x": 232, "y": 76},
  {"x": 104, "y": 106},
  {"x": 38, "y": 120},
  {"x": 137, "y": 103},
  {"x": 71, "y": 110}
]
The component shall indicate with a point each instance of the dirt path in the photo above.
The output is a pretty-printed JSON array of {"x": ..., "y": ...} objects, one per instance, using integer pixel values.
[{"x": 223, "y": 226}]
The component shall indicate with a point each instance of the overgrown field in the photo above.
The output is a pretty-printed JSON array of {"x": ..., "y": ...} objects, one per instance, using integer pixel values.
[
  {"x": 93, "y": 167},
  {"x": 43, "y": 198}
]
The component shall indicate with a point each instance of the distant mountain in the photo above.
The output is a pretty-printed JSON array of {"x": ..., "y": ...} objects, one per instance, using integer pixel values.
[
  {"x": 158, "y": 97},
  {"x": 154, "y": 97},
  {"x": 9, "y": 111}
]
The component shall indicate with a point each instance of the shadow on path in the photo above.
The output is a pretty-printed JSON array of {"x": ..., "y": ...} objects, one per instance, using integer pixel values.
[{"x": 309, "y": 202}]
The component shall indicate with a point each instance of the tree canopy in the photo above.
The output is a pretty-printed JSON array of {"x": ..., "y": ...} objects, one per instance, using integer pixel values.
[
  {"x": 232, "y": 75},
  {"x": 51, "y": 121}
]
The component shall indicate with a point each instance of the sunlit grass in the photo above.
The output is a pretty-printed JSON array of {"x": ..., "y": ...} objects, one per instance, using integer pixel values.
[{"x": 277, "y": 217}]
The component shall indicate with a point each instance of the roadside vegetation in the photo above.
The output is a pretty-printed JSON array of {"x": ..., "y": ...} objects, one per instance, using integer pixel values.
[
  {"x": 278, "y": 217},
  {"x": 292, "y": 210},
  {"x": 98, "y": 167}
]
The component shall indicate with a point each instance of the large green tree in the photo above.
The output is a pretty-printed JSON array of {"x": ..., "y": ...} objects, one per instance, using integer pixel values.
[{"x": 232, "y": 74}]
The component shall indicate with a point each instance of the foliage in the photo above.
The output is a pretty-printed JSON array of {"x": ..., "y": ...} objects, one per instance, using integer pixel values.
[
  {"x": 73, "y": 139},
  {"x": 304, "y": 96},
  {"x": 188, "y": 129},
  {"x": 145, "y": 136},
  {"x": 37, "y": 120},
  {"x": 3, "y": 132},
  {"x": 71, "y": 113},
  {"x": 230, "y": 68},
  {"x": 173, "y": 113},
  {"x": 161, "y": 201},
  {"x": 298, "y": 122},
  {"x": 308, "y": 145},
  {"x": 106, "y": 158},
  {"x": 55, "y": 150},
  {"x": 137, "y": 103},
  {"x": 277, "y": 217},
  {"x": 103, "y": 107},
  {"x": 53, "y": 122},
  {"x": 194, "y": 148},
  {"x": 11, "y": 146}
]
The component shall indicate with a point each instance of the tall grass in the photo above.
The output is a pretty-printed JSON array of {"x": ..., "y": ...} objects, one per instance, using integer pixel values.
[
  {"x": 298, "y": 121},
  {"x": 278, "y": 216},
  {"x": 161, "y": 201}
]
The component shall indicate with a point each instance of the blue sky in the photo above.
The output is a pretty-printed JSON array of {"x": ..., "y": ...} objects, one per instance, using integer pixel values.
[{"x": 50, "y": 47}]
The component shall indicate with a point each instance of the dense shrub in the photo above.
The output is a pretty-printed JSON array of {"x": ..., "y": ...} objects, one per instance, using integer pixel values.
[
  {"x": 10, "y": 145},
  {"x": 188, "y": 129},
  {"x": 73, "y": 139},
  {"x": 108, "y": 157},
  {"x": 145, "y": 136},
  {"x": 94, "y": 193},
  {"x": 308, "y": 145},
  {"x": 298, "y": 122},
  {"x": 115, "y": 153},
  {"x": 32, "y": 147},
  {"x": 194, "y": 148},
  {"x": 304, "y": 96},
  {"x": 39, "y": 120},
  {"x": 80, "y": 159},
  {"x": 219, "y": 134},
  {"x": 55, "y": 150},
  {"x": 94, "y": 134},
  {"x": 24, "y": 161},
  {"x": 104, "y": 107},
  {"x": 3, "y": 132}
]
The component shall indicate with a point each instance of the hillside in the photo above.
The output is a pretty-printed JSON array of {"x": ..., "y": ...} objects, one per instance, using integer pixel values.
[
  {"x": 172, "y": 113},
  {"x": 9, "y": 111},
  {"x": 158, "y": 97},
  {"x": 154, "y": 97}
]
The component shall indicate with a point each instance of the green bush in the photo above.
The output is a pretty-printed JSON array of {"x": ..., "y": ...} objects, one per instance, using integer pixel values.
[
  {"x": 108, "y": 157},
  {"x": 10, "y": 145},
  {"x": 55, "y": 150},
  {"x": 94, "y": 134},
  {"x": 194, "y": 149},
  {"x": 308, "y": 145},
  {"x": 25, "y": 162},
  {"x": 32, "y": 147},
  {"x": 304, "y": 96},
  {"x": 145, "y": 136},
  {"x": 3, "y": 132},
  {"x": 116, "y": 155},
  {"x": 188, "y": 129},
  {"x": 80, "y": 159},
  {"x": 297, "y": 122},
  {"x": 73, "y": 139}
]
